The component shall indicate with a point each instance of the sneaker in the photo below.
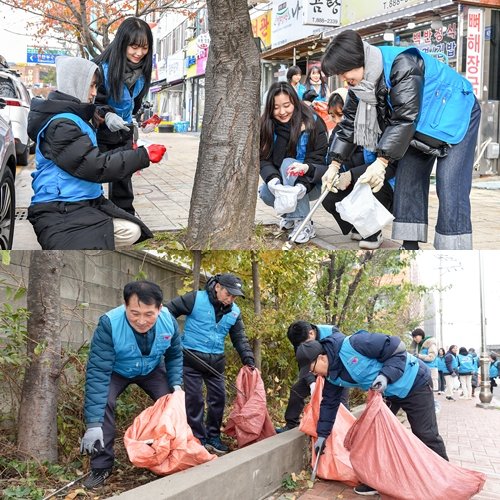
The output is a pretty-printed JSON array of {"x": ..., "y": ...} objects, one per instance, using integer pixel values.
[
  {"x": 216, "y": 446},
  {"x": 96, "y": 478},
  {"x": 306, "y": 234},
  {"x": 449, "y": 398},
  {"x": 285, "y": 428},
  {"x": 355, "y": 235},
  {"x": 372, "y": 242},
  {"x": 364, "y": 489},
  {"x": 286, "y": 224}
]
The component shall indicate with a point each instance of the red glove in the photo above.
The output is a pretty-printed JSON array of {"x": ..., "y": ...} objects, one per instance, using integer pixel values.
[
  {"x": 156, "y": 152},
  {"x": 154, "y": 120}
]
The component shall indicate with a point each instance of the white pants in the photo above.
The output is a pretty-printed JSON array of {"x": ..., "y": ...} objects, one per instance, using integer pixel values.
[
  {"x": 126, "y": 232},
  {"x": 449, "y": 385},
  {"x": 466, "y": 381}
]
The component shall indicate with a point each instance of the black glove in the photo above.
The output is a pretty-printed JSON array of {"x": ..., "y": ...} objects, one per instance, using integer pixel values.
[
  {"x": 319, "y": 446},
  {"x": 380, "y": 383},
  {"x": 250, "y": 362}
]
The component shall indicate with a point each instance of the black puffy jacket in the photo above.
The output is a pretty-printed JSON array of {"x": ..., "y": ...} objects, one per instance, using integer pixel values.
[{"x": 397, "y": 120}]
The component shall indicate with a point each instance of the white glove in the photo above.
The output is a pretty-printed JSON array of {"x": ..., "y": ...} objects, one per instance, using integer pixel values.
[
  {"x": 115, "y": 122},
  {"x": 312, "y": 386},
  {"x": 272, "y": 185},
  {"x": 297, "y": 168},
  {"x": 330, "y": 178},
  {"x": 345, "y": 179},
  {"x": 375, "y": 174},
  {"x": 177, "y": 388},
  {"x": 93, "y": 435},
  {"x": 149, "y": 128}
]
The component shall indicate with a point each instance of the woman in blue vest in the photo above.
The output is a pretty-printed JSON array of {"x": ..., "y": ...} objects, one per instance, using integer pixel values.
[
  {"x": 425, "y": 348},
  {"x": 293, "y": 76},
  {"x": 372, "y": 361},
  {"x": 298, "y": 332},
  {"x": 68, "y": 209},
  {"x": 406, "y": 105},
  {"x": 293, "y": 146},
  {"x": 211, "y": 315},
  {"x": 135, "y": 343},
  {"x": 494, "y": 371},
  {"x": 126, "y": 66},
  {"x": 317, "y": 82},
  {"x": 466, "y": 367},
  {"x": 450, "y": 370},
  {"x": 441, "y": 366}
]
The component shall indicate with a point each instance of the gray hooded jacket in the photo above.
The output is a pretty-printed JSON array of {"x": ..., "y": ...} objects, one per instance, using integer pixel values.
[{"x": 74, "y": 76}]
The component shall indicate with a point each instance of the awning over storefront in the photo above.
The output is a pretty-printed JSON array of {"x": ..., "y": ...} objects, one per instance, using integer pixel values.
[{"x": 285, "y": 52}]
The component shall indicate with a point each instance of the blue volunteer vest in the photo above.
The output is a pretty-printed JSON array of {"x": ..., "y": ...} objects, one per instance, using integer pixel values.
[
  {"x": 129, "y": 361},
  {"x": 430, "y": 364},
  {"x": 441, "y": 365},
  {"x": 202, "y": 332},
  {"x": 466, "y": 363},
  {"x": 494, "y": 369},
  {"x": 125, "y": 105},
  {"x": 364, "y": 370},
  {"x": 454, "y": 364},
  {"x": 447, "y": 100},
  {"x": 324, "y": 331},
  {"x": 52, "y": 183}
]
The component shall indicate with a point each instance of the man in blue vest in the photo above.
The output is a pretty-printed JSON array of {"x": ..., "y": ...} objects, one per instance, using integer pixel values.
[
  {"x": 135, "y": 343},
  {"x": 425, "y": 348},
  {"x": 211, "y": 315},
  {"x": 298, "y": 332},
  {"x": 372, "y": 361}
]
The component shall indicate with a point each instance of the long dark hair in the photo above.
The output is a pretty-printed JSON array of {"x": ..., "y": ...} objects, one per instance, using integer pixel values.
[
  {"x": 323, "y": 88},
  {"x": 133, "y": 31},
  {"x": 302, "y": 115}
]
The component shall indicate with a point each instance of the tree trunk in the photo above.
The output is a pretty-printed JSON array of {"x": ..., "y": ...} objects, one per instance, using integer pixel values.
[
  {"x": 222, "y": 210},
  {"x": 37, "y": 424},
  {"x": 197, "y": 255},
  {"x": 257, "y": 342}
]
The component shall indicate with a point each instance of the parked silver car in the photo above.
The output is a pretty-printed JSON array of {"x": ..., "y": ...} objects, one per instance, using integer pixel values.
[
  {"x": 18, "y": 102},
  {"x": 7, "y": 175}
]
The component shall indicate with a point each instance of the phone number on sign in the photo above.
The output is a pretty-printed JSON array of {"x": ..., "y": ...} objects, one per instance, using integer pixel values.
[
  {"x": 322, "y": 20},
  {"x": 394, "y": 3}
]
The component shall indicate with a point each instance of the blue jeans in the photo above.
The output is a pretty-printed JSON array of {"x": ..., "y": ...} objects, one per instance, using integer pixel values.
[
  {"x": 303, "y": 207},
  {"x": 453, "y": 185}
]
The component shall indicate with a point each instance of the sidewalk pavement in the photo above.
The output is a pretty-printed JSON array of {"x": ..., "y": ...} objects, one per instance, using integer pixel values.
[
  {"x": 472, "y": 441},
  {"x": 163, "y": 193}
]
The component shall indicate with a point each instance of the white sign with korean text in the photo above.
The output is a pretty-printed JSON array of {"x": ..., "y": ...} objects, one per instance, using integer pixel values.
[
  {"x": 474, "y": 53},
  {"x": 322, "y": 12}
]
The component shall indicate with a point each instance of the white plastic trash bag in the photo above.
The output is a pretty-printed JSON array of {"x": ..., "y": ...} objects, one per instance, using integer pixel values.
[
  {"x": 285, "y": 199},
  {"x": 363, "y": 210}
]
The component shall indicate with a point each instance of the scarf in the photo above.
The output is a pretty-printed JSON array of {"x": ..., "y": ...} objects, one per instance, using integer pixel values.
[
  {"x": 282, "y": 141},
  {"x": 132, "y": 73},
  {"x": 366, "y": 128}
]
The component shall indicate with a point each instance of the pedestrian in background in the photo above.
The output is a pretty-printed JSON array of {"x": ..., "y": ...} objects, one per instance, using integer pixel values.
[
  {"x": 441, "y": 366},
  {"x": 297, "y": 333},
  {"x": 474, "y": 381},
  {"x": 211, "y": 314},
  {"x": 135, "y": 343},
  {"x": 125, "y": 66},
  {"x": 293, "y": 76},
  {"x": 450, "y": 371},
  {"x": 466, "y": 367},
  {"x": 406, "y": 105},
  {"x": 293, "y": 146},
  {"x": 494, "y": 370},
  {"x": 425, "y": 348},
  {"x": 68, "y": 209},
  {"x": 316, "y": 80}
]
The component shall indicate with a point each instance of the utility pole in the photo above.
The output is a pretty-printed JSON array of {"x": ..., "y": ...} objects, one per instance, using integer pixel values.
[
  {"x": 441, "y": 336},
  {"x": 485, "y": 395}
]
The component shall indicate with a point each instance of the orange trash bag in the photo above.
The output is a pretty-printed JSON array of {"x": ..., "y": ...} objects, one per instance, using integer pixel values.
[
  {"x": 249, "y": 420},
  {"x": 173, "y": 447},
  {"x": 389, "y": 458},
  {"x": 334, "y": 463},
  {"x": 321, "y": 108}
]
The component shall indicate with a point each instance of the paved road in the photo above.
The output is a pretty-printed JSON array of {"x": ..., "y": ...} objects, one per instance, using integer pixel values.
[{"x": 163, "y": 194}]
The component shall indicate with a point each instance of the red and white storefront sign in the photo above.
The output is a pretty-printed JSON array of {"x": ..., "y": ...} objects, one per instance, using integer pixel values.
[{"x": 474, "y": 53}]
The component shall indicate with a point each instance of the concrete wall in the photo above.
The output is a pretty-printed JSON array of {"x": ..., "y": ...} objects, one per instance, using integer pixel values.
[
  {"x": 251, "y": 473},
  {"x": 92, "y": 283}
]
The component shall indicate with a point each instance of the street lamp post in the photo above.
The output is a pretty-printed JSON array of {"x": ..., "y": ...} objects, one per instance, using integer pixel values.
[{"x": 485, "y": 395}]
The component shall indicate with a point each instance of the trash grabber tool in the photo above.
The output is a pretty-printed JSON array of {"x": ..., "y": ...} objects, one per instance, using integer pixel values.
[
  {"x": 288, "y": 244},
  {"x": 69, "y": 485},
  {"x": 211, "y": 370},
  {"x": 315, "y": 468}
]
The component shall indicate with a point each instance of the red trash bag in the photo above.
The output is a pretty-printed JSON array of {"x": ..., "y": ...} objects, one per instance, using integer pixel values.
[
  {"x": 173, "y": 447},
  {"x": 334, "y": 463},
  {"x": 388, "y": 457},
  {"x": 249, "y": 420}
]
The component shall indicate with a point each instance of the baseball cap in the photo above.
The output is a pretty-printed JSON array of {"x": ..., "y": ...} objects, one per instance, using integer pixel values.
[
  {"x": 231, "y": 283},
  {"x": 306, "y": 353}
]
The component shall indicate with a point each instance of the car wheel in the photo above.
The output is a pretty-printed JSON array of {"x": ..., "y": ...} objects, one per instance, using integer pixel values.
[
  {"x": 23, "y": 158},
  {"x": 7, "y": 210}
]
